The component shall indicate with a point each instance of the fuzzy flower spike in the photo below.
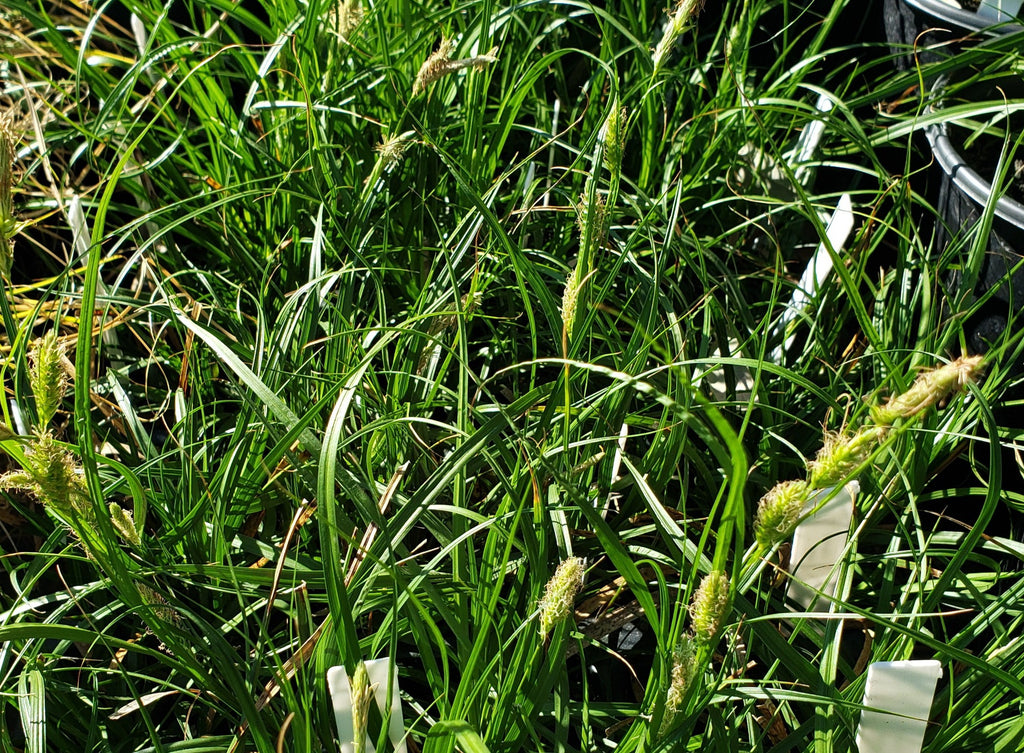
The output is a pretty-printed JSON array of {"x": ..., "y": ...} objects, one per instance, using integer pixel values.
[
  {"x": 930, "y": 388},
  {"x": 362, "y": 697},
  {"x": 678, "y": 21},
  {"x": 440, "y": 64},
  {"x": 47, "y": 377},
  {"x": 559, "y": 595},
  {"x": 710, "y": 606},
  {"x": 684, "y": 668},
  {"x": 841, "y": 456},
  {"x": 779, "y": 511}
]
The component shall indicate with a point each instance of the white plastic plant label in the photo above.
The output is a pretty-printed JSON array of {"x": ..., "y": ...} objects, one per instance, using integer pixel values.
[
  {"x": 340, "y": 688},
  {"x": 897, "y": 702},
  {"x": 817, "y": 271},
  {"x": 810, "y": 138},
  {"x": 818, "y": 543},
  {"x": 716, "y": 378}
]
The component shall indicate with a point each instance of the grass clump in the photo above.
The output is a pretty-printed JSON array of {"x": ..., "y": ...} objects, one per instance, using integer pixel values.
[{"x": 364, "y": 333}]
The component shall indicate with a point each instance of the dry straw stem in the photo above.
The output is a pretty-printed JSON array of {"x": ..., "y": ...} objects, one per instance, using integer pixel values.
[{"x": 440, "y": 64}]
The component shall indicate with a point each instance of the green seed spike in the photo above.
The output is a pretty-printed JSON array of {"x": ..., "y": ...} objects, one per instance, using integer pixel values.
[
  {"x": 841, "y": 456},
  {"x": 684, "y": 667},
  {"x": 779, "y": 511},
  {"x": 930, "y": 388},
  {"x": 362, "y": 696},
  {"x": 678, "y": 20},
  {"x": 47, "y": 377},
  {"x": 559, "y": 595},
  {"x": 710, "y": 606}
]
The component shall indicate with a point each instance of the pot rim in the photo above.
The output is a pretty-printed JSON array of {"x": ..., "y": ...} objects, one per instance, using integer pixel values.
[
  {"x": 963, "y": 18},
  {"x": 966, "y": 179}
]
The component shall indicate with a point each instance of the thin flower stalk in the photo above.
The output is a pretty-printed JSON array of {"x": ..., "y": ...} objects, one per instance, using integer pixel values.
[{"x": 7, "y": 222}]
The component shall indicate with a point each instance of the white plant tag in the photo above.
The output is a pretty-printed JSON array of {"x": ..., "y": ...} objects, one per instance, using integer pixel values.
[
  {"x": 717, "y": 383},
  {"x": 810, "y": 138},
  {"x": 897, "y": 699},
  {"x": 341, "y": 698},
  {"x": 817, "y": 271},
  {"x": 818, "y": 543}
]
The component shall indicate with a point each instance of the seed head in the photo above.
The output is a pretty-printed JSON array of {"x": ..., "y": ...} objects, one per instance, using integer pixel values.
[
  {"x": 841, "y": 456},
  {"x": 613, "y": 137},
  {"x": 779, "y": 510},
  {"x": 592, "y": 216},
  {"x": 51, "y": 474},
  {"x": 161, "y": 608},
  {"x": 678, "y": 20},
  {"x": 930, "y": 388},
  {"x": 439, "y": 63},
  {"x": 684, "y": 667},
  {"x": 569, "y": 299},
  {"x": 559, "y": 595},
  {"x": 345, "y": 17},
  {"x": 392, "y": 149},
  {"x": 362, "y": 696},
  {"x": 124, "y": 524},
  {"x": 47, "y": 376},
  {"x": 710, "y": 606}
]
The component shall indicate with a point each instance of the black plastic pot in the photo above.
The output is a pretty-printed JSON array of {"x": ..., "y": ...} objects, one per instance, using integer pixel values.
[
  {"x": 964, "y": 192},
  {"x": 922, "y": 24},
  {"x": 926, "y": 31}
]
